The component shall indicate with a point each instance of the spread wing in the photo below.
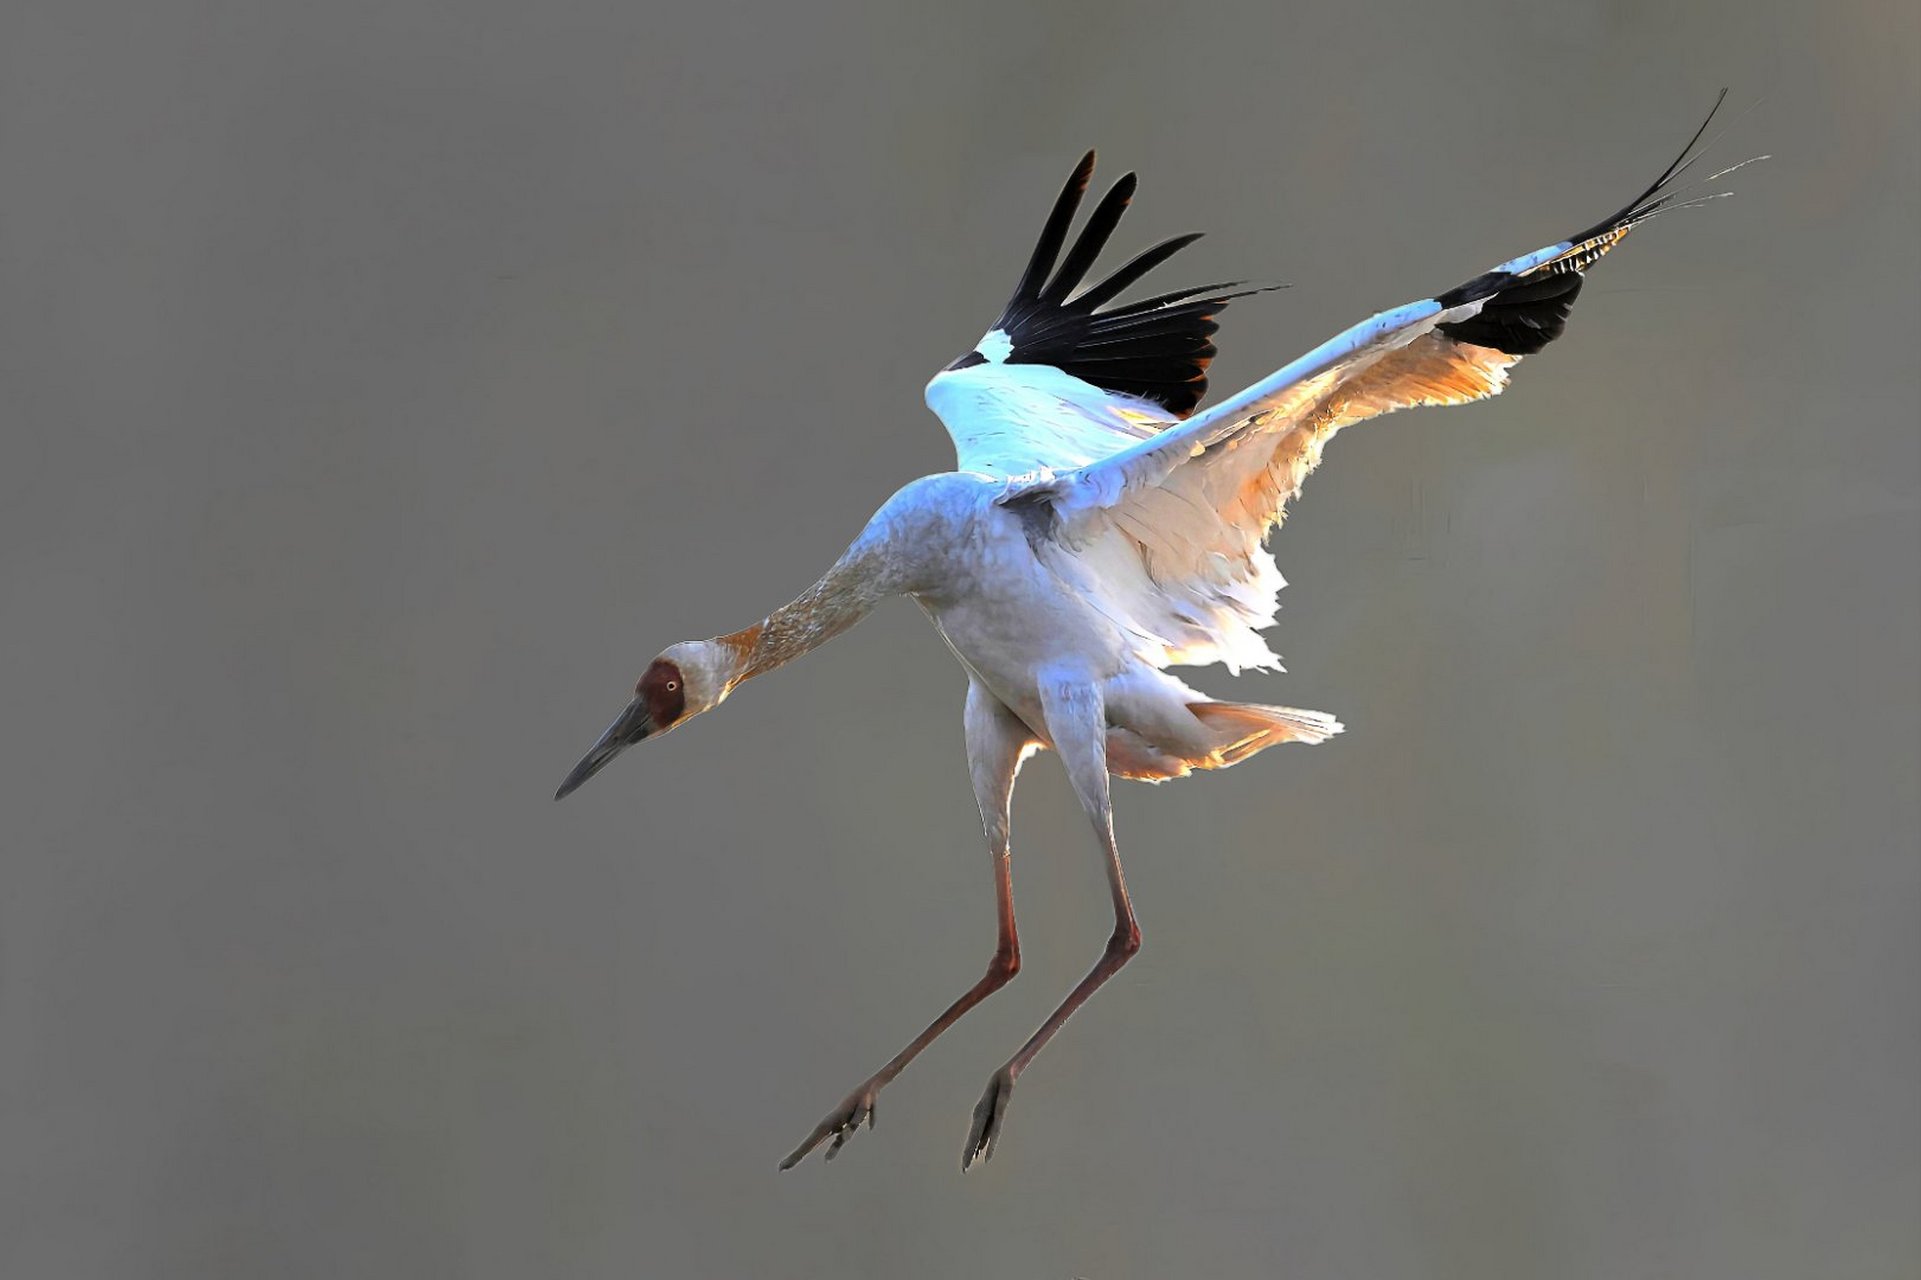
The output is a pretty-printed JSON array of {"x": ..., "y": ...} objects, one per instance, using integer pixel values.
[
  {"x": 1063, "y": 379},
  {"x": 1168, "y": 531}
]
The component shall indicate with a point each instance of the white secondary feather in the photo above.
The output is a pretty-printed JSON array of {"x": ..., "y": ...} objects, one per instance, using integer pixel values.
[{"x": 1029, "y": 420}]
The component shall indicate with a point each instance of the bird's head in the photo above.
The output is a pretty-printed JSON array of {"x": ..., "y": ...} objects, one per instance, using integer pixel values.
[{"x": 685, "y": 680}]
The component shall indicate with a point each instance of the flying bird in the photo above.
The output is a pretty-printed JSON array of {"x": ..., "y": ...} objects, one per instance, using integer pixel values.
[{"x": 1099, "y": 528}]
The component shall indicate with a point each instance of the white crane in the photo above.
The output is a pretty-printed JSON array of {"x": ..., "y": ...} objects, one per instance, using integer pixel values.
[{"x": 1097, "y": 531}]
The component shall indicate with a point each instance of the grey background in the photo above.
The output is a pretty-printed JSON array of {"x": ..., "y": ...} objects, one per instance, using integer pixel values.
[{"x": 385, "y": 383}]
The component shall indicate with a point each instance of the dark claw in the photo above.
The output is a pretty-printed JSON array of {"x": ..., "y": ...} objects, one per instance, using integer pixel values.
[
  {"x": 842, "y": 1123},
  {"x": 989, "y": 1113}
]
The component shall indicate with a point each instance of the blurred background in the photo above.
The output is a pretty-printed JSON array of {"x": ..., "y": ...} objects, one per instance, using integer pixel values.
[{"x": 384, "y": 384}]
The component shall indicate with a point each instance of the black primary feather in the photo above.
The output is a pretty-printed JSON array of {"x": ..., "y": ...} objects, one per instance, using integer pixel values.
[
  {"x": 1525, "y": 312},
  {"x": 1522, "y": 318},
  {"x": 1157, "y": 349}
]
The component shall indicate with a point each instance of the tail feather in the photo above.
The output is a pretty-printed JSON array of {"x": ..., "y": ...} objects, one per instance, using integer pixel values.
[{"x": 1247, "y": 728}]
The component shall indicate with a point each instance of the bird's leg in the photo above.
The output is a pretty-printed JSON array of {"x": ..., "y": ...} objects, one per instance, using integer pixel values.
[
  {"x": 1077, "y": 722},
  {"x": 996, "y": 742}
]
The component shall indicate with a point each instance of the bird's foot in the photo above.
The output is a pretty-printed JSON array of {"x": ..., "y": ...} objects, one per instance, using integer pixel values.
[
  {"x": 841, "y": 1124},
  {"x": 989, "y": 1113}
]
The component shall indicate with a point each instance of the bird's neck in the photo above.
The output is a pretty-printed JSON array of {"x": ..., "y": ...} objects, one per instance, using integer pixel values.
[
  {"x": 897, "y": 553},
  {"x": 847, "y": 593}
]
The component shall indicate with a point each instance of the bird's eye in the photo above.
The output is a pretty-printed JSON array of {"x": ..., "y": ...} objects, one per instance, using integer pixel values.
[{"x": 672, "y": 685}]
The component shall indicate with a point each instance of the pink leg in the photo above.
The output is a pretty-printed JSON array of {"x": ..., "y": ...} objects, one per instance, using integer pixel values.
[
  {"x": 996, "y": 742},
  {"x": 1076, "y": 719}
]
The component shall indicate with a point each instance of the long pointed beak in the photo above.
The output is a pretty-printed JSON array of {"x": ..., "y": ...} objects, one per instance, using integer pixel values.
[{"x": 631, "y": 726}]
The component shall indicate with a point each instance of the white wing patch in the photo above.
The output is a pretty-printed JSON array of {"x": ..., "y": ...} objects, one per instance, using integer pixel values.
[
  {"x": 1031, "y": 420},
  {"x": 1068, "y": 375}
]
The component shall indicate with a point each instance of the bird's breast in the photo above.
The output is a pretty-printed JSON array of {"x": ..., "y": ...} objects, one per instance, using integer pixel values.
[{"x": 1008, "y": 617}]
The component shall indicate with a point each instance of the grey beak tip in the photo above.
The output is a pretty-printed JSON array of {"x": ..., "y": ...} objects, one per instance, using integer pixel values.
[
  {"x": 630, "y": 727},
  {"x": 584, "y": 770}
]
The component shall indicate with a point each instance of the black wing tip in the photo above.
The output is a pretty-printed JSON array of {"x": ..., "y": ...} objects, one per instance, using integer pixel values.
[
  {"x": 1522, "y": 313},
  {"x": 1160, "y": 355},
  {"x": 1155, "y": 349},
  {"x": 1521, "y": 319},
  {"x": 1651, "y": 200},
  {"x": 1078, "y": 179},
  {"x": 1271, "y": 286},
  {"x": 1485, "y": 285},
  {"x": 1040, "y": 264},
  {"x": 1094, "y": 235}
]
